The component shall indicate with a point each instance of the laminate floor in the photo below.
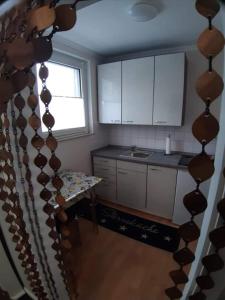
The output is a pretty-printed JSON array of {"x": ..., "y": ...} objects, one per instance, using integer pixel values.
[{"x": 111, "y": 266}]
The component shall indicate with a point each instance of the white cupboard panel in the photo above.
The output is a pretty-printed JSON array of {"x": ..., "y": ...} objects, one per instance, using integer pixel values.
[
  {"x": 125, "y": 165},
  {"x": 131, "y": 188},
  {"x": 106, "y": 191},
  {"x": 109, "y": 93},
  {"x": 185, "y": 185},
  {"x": 169, "y": 89},
  {"x": 104, "y": 171},
  {"x": 104, "y": 162},
  {"x": 161, "y": 186},
  {"x": 137, "y": 91}
]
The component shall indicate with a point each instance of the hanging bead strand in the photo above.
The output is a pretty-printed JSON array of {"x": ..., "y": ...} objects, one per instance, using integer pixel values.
[
  {"x": 22, "y": 141},
  {"x": 201, "y": 167}
]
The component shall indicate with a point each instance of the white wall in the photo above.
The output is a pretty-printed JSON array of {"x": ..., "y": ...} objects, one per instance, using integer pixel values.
[{"x": 182, "y": 138}]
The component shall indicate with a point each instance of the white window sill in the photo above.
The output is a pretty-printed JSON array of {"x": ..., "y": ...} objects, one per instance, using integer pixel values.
[{"x": 67, "y": 136}]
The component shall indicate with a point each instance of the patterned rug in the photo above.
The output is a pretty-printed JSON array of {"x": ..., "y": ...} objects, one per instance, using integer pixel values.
[{"x": 152, "y": 233}]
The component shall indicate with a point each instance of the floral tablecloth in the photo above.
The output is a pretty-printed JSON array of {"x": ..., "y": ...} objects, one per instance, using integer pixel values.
[{"x": 75, "y": 184}]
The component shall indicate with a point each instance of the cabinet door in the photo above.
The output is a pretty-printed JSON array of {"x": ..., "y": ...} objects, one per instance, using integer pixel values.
[
  {"x": 185, "y": 185},
  {"x": 169, "y": 89},
  {"x": 106, "y": 169},
  {"x": 106, "y": 191},
  {"x": 131, "y": 188},
  {"x": 137, "y": 91},
  {"x": 109, "y": 93},
  {"x": 161, "y": 185}
]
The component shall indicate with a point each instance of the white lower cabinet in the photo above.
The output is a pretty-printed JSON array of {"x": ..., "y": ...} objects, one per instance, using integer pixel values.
[
  {"x": 161, "y": 187},
  {"x": 185, "y": 185},
  {"x": 157, "y": 190},
  {"x": 106, "y": 169},
  {"x": 131, "y": 184}
]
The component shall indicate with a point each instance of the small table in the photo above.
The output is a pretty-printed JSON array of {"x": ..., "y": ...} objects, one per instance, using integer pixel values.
[{"x": 76, "y": 186}]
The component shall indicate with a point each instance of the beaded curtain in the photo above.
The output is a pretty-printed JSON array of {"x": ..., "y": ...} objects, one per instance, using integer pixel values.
[
  {"x": 24, "y": 43},
  {"x": 205, "y": 128}
]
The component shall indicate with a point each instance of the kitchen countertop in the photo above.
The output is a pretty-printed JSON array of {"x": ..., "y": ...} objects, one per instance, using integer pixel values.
[{"x": 157, "y": 157}]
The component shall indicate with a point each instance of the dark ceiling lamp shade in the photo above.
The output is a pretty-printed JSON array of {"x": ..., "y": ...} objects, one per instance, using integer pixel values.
[
  {"x": 23, "y": 44},
  {"x": 209, "y": 87}
]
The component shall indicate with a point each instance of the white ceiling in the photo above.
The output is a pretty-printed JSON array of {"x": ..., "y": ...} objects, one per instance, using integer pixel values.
[{"x": 106, "y": 28}]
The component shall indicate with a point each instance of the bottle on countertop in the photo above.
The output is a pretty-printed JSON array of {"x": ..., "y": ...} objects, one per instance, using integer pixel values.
[{"x": 168, "y": 145}]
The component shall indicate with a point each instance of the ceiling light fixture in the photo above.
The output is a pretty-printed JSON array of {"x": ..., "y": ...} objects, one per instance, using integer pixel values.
[{"x": 143, "y": 12}]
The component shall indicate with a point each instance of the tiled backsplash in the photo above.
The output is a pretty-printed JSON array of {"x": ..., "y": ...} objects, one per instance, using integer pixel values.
[{"x": 155, "y": 138}]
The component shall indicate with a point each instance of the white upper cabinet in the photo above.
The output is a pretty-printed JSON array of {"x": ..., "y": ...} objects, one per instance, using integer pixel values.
[
  {"x": 169, "y": 89},
  {"x": 109, "y": 93},
  {"x": 137, "y": 91},
  {"x": 142, "y": 91}
]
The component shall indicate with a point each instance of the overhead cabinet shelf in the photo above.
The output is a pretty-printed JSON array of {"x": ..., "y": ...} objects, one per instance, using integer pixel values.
[{"x": 143, "y": 91}]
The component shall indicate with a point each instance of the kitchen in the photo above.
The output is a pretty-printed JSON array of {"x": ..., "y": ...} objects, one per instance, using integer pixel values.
[
  {"x": 120, "y": 119},
  {"x": 142, "y": 101}
]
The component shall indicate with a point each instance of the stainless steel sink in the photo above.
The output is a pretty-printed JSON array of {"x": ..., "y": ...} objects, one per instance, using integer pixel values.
[
  {"x": 136, "y": 154},
  {"x": 140, "y": 154}
]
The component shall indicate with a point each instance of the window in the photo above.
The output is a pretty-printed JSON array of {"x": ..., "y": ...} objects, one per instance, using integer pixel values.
[{"x": 67, "y": 82}]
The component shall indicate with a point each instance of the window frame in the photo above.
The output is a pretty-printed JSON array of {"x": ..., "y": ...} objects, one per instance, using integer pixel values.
[{"x": 82, "y": 65}]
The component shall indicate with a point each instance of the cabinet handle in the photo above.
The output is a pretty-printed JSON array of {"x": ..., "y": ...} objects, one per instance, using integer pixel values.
[
  {"x": 129, "y": 121},
  {"x": 105, "y": 169},
  {"x": 154, "y": 169},
  {"x": 161, "y": 122},
  {"x": 122, "y": 173}
]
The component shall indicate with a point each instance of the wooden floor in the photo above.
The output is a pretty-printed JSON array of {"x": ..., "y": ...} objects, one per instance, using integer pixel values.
[{"x": 111, "y": 266}]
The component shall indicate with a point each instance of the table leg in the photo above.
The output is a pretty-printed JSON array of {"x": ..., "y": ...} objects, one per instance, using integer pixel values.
[{"x": 93, "y": 209}]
